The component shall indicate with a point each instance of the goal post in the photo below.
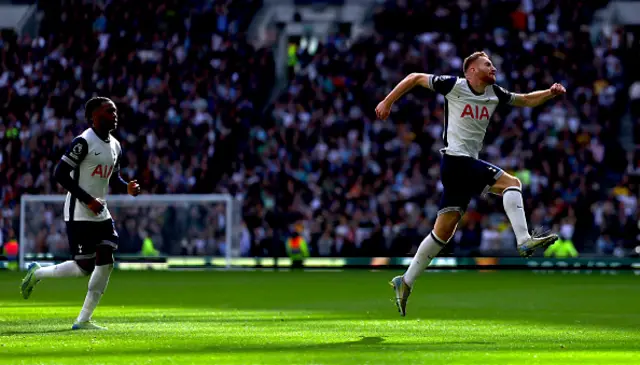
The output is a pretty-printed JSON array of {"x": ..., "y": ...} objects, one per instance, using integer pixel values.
[{"x": 182, "y": 225}]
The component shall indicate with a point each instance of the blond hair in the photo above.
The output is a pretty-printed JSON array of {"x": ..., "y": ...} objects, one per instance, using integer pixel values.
[{"x": 469, "y": 60}]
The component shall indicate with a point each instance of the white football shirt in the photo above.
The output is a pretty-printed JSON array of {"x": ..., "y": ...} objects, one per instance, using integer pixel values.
[
  {"x": 466, "y": 113},
  {"x": 94, "y": 161}
]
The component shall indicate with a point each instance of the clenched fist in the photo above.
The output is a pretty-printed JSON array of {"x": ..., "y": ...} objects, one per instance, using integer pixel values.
[
  {"x": 96, "y": 206},
  {"x": 133, "y": 188},
  {"x": 383, "y": 109},
  {"x": 557, "y": 89}
]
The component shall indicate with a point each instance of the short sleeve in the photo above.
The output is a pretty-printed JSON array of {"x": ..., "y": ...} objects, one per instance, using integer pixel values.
[
  {"x": 442, "y": 84},
  {"x": 76, "y": 152},
  {"x": 504, "y": 97}
]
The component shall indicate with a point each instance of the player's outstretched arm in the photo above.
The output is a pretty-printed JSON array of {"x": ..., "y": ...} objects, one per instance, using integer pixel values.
[
  {"x": 536, "y": 98},
  {"x": 412, "y": 80}
]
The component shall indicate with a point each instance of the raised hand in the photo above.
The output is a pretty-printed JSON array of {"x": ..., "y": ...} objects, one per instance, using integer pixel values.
[{"x": 557, "y": 89}]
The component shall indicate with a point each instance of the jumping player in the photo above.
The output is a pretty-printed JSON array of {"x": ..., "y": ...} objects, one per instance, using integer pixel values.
[
  {"x": 85, "y": 171},
  {"x": 469, "y": 104}
]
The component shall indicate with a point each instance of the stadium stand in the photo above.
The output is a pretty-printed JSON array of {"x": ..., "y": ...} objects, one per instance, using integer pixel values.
[
  {"x": 380, "y": 179},
  {"x": 191, "y": 91}
]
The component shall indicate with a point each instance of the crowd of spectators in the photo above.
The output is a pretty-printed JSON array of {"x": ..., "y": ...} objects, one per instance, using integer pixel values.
[
  {"x": 185, "y": 80},
  {"x": 191, "y": 93},
  {"x": 370, "y": 187}
]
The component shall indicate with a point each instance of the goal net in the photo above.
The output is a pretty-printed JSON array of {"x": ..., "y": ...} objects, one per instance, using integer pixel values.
[{"x": 151, "y": 227}]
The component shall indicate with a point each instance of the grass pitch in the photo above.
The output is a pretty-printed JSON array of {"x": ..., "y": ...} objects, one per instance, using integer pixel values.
[{"x": 326, "y": 318}]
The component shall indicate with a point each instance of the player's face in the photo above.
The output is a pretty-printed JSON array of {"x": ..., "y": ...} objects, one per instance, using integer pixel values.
[
  {"x": 108, "y": 116},
  {"x": 485, "y": 70}
]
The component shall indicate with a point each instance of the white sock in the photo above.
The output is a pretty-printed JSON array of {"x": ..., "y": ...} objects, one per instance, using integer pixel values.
[
  {"x": 64, "y": 270},
  {"x": 514, "y": 207},
  {"x": 97, "y": 285},
  {"x": 428, "y": 249}
]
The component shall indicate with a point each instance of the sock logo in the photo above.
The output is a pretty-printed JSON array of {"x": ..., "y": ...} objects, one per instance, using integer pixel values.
[
  {"x": 519, "y": 206},
  {"x": 79, "y": 248}
]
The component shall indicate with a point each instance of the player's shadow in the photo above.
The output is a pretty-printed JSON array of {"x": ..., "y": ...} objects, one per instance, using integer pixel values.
[
  {"x": 373, "y": 344},
  {"x": 172, "y": 319},
  {"x": 369, "y": 341},
  {"x": 33, "y": 332},
  {"x": 364, "y": 344}
]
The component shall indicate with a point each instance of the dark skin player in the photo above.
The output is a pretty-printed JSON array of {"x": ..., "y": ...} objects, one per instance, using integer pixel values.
[{"x": 105, "y": 119}]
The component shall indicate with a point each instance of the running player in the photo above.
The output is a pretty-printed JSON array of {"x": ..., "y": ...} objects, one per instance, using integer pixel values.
[
  {"x": 469, "y": 104},
  {"x": 85, "y": 171}
]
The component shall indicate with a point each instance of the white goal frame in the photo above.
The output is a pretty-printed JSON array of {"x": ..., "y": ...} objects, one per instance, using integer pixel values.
[{"x": 140, "y": 199}]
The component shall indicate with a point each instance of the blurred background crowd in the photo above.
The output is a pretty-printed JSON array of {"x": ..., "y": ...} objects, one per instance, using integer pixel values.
[{"x": 197, "y": 115}]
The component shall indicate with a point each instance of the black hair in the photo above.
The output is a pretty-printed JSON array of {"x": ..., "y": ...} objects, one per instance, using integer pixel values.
[{"x": 92, "y": 104}]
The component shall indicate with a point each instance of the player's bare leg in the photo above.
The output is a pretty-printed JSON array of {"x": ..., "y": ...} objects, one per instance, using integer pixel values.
[
  {"x": 443, "y": 230},
  {"x": 97, "y": 286},
  {"x": 511, "y": 190}
]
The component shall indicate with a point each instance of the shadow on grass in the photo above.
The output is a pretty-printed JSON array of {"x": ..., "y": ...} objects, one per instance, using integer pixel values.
[
  {"x": 36, "y": 304},
  {"x": 364, "y": 344},
  {"x": 33, "y": 332},
  {"x": 172, "y": 319},
  {"x": 558, "y": 300}
]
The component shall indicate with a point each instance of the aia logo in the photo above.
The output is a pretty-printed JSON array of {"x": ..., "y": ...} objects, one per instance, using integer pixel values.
[
  {"x": 103, "y": 172},
  {"x": 478, "y": 113}
]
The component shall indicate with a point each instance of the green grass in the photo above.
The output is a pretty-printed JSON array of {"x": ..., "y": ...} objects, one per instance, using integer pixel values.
[{"x": 326, "y": 318}]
